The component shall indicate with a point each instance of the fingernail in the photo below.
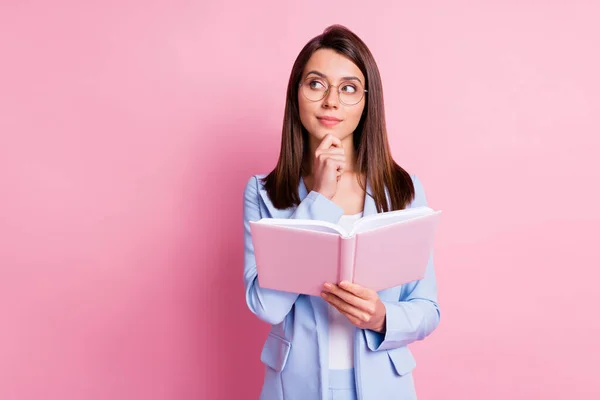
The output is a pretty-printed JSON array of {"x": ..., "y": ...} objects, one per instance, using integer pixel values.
[{"x": 327, "y": 285}]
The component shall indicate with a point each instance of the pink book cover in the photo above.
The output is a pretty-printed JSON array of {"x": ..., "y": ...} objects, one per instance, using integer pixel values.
[{"x": 388, "y": 250}]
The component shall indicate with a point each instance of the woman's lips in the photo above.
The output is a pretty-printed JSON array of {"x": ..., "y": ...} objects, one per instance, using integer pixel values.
[{"x": 329, "y": 121}]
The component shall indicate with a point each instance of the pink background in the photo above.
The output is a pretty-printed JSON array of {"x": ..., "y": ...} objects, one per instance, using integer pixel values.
[{"x": 129, "y": 128}]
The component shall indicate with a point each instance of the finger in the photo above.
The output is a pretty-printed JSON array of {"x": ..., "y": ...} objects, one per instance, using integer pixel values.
[
  {"x": 336, "y": 157},
  {"x": 331, "y": 150},
  {"x": 357, "y": 318},
  {"x": 358, "y": 322},
  {"x": 351, "y": 298},
  {"x": 357, "y": 290},
  {"x": 335, "y": 142},
  {"x": 355, "y": 321},
  {"x": 335, "y": 164},
  {"x": 322, "y": 158},
  {"x": 344, "y": 307},
  {"x": 329, "y": 141}
]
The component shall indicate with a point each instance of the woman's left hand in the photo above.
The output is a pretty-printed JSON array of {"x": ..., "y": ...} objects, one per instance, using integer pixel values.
[{"x": 360, "y": 305}]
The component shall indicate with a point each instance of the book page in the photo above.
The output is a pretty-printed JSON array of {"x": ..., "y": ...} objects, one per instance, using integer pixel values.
[
  {"x": 295, "y": 260},
  {"x": 375, "y": 221},
  {"x": 395, "y": 254},
  {"x": 311, "y": 225}
]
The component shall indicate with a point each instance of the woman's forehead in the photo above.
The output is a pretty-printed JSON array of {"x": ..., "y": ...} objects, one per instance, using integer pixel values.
[{"x": 332, "y": 65}]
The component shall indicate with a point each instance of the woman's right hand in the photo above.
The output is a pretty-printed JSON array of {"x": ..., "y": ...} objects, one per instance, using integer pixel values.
[{"x": 328, "y": 166}]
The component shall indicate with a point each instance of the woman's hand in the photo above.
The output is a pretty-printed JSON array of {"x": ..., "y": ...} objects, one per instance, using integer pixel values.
[
  {"x": 360, "y": 305},
  {"x": 328, "y": 165}
]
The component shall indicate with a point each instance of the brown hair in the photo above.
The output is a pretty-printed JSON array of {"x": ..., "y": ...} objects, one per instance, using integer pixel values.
[{"x": 374, "y": 159}]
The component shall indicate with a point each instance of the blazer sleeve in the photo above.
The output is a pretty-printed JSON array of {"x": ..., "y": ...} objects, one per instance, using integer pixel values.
[
  {"x": 271, "y": 305},
  {"x": 417, "y": 313}
]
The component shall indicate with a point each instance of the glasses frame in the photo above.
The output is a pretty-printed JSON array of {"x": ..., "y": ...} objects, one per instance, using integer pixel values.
[{"x": 326, "y": 92}]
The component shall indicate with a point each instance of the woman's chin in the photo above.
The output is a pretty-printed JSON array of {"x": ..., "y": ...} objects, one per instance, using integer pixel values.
[
  {"x": 322, "y": 132},
  {"x": 319, "y": 134}
]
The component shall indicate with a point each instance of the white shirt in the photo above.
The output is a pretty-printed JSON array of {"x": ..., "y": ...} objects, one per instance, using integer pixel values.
[{"x": 341, "y": 330}]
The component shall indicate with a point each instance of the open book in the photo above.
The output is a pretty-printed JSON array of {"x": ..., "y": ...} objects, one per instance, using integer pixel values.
[{"x": 380, "y": 251}]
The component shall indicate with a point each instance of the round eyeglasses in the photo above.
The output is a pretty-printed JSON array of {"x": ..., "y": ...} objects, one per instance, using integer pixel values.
[{"x": 316, "y": 88}]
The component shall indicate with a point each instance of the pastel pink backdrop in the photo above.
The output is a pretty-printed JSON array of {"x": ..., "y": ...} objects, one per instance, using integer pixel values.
[{"x": 129, "y": 128}]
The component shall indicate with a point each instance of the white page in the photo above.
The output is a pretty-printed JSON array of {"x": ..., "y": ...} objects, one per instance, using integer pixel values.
[
  {"x": 375, "y": 221},
  {"x": 364, "y": 224},
  {"x": 311, "y": 225}
]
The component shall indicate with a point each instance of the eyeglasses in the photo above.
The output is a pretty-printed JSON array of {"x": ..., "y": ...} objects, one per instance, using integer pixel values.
[{"x": 316, "y": 88}]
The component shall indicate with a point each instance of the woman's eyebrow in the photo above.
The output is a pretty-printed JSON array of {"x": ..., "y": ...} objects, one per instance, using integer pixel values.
[
  {"x": 322, "y": 75},
  {"x": 345, "y": 78}
]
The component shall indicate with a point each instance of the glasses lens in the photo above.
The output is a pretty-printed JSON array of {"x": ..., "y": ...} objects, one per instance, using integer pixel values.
[
  {"x": 351, "y": 92},
  {"x": 314, "y": 88}
]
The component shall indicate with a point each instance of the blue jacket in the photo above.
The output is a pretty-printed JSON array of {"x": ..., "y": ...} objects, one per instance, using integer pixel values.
[{"x": 295, "y": 352}]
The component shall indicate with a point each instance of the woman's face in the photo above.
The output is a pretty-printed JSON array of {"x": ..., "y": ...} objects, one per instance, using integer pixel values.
[{"x": 330, "y": 115}]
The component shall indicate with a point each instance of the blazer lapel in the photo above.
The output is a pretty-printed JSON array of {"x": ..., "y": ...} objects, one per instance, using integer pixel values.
[{"x": 275, "y": 212}]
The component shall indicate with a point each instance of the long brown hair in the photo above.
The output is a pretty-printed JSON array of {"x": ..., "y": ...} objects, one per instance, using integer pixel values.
[{"x": 374, "y": 159}]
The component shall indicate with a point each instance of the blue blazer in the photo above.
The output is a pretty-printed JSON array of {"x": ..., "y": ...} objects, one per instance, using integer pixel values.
[{"x": 295, "y": 352}]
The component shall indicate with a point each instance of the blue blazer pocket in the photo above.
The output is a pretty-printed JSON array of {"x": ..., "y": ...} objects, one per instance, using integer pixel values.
[
  {"x": 275, "y": 352},
  {"x": 402, "y": 360}
]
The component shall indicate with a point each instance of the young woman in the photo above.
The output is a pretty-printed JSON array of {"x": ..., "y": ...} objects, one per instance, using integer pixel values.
[{"x": 335, "y": 165}]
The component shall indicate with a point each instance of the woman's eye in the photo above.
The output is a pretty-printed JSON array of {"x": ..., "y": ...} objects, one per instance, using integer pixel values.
[
  {"x": 349, "y": 88},
  {"x": 316, "y": 85}
]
